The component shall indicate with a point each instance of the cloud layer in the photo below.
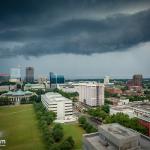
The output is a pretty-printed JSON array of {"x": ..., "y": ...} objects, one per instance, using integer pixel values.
[{"x": 36, "y": 28}]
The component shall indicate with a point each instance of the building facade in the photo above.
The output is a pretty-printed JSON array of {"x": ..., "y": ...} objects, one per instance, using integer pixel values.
[
  {"x": 17, "y": 96},
  {"x": 113, "y": 137},
  {"x": 15, "y": 75},
  {"x": 137, "y": 80},
  {"x": 30, "y": 74},
  {"x": 56, "y": 79},
  {"x": 106, "y": 80},
  {"x": 91, "y": 94},
  {"x": 58, "y": 104}
]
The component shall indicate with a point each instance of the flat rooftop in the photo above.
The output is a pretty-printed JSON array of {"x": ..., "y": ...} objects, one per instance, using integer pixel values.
[
  {"x": 141, "y": 105},
  {"x": 110, "y": 135},
  {"x": 54, "y": 97},
  {"x": 118, "y": 131}
]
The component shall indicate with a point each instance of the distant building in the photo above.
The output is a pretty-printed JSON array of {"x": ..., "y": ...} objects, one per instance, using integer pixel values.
[
  {"x": 91, "y": 94},
  {"x": 135, "y": 83},
  {"x": 30, "y": 74},
  {"x": 56, "y": 79},
  {"x": 4, "y": 77},
  {"x": 114, "y": 137},
  {"x": 59, "y": 104},
  {"x": 113, "y": 90},
  {"x": 118, "y": 101},
  {"x": 106, "y": 80},
  {"x": 42, "y": 80},
  {"x": 15, "y": 75},
  {"x": 30, "y": 86},
  {"x": 137, "y": 80}
]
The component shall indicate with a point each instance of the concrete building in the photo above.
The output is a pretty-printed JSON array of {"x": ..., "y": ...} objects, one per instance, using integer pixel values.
[
  {"x": 8, "y": 87},
  {"x": 16, "y": 96},
  {"x": 15, "y": 75},
  {"x": 59, "y": 104},
  {"x": 91, "y": 94},
  {"x": 30, "y": 74},
  {"x": 106, "y": 80},
  {"x": 140, "y": 110},
  {"x": 118, "y": 101},
  {"x": 114, "y": 137},
  {"x": 30, "y": 86}
]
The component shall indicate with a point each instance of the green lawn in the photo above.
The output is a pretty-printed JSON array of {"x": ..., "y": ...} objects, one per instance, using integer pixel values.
[
  {"x": 76, "y": 132},
  {"x": 20, "y": 128}
]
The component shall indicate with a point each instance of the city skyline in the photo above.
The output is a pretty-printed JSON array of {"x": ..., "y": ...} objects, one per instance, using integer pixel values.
[{"x": 79, "y": 39}]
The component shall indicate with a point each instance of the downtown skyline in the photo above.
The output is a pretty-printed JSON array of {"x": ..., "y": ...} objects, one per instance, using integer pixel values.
[{"x": 89, "y": 38}]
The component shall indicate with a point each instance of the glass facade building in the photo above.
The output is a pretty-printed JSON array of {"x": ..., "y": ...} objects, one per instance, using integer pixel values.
[{"x": 56, "y": 79}]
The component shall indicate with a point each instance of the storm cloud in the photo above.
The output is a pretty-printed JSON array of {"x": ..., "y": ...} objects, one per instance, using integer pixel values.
[{"x": 36, "y": 27}]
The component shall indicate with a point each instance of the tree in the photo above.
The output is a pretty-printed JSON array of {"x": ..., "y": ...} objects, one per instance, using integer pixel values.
[
  {"x": 68, "y": 144},
  {"x": 65, "y": 145},
  {"x": 82, "y": 120},
  {"x": 57, "y": 132},
  {"x": 105, "y": 108},
  {"x": 71, "y": 141}
]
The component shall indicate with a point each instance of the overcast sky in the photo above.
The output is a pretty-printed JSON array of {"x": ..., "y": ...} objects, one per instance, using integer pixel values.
[{"x": 77, "y": 38}]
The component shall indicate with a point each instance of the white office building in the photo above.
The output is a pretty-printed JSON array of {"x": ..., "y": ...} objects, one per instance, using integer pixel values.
[
  {"x": 91, "y": 94},
  {"x": 60, "y": 105}
]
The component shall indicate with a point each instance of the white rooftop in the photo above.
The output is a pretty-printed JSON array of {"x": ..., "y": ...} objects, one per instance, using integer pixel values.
[{"x": 54, "y": 97}]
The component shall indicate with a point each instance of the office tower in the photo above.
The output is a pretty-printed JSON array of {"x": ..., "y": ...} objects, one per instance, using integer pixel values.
[
  {"x": 15, "y": 75},
  {"x": 91, "y": 94},
  {"x": 30, "y": 74},
  {"x": 137, "y": 80},
  {"x": 56, "y": 79}
]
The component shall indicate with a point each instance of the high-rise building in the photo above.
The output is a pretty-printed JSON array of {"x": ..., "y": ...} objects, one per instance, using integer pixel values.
[
  {"x": 56, "y": 79},
  {"x": 137, "y": 80},
  {"x": 30, "y": 74},
  {"x": 15, "y": 75},
  {"x": 91, "y": 94}
]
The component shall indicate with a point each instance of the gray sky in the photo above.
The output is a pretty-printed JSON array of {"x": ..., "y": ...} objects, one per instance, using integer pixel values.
[{"x": 77, "y": 38}]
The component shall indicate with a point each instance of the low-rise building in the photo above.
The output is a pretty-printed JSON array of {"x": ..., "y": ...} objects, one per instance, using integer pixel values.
[
  {"x": 58, "y": 104},
  {"x": 118, "y": 101},
  {"x": 114, "y": 90},
  {"x": 30, "y": 86},
  {"x": 17, "y": 96},
  {"x": 8, "y": 87},
  {"x": 114, "y": 137},
  {"x": 140, "y": 110}
]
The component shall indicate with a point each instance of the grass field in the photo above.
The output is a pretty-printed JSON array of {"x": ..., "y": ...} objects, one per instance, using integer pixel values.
[
  {"x": 18, "y": 124},
  {"x": 76, "y": 132}
]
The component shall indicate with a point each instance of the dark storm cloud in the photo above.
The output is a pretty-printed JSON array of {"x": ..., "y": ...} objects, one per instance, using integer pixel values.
[{"x": 35, "y": 27}]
